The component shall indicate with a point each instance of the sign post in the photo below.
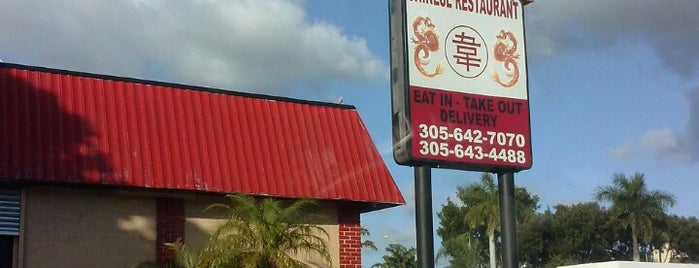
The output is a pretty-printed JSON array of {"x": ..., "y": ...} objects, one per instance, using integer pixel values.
[
  {"x": 423, "y": 217},
  {"x": 508, "y": 227},
  {"x": 460, "y": 97}
]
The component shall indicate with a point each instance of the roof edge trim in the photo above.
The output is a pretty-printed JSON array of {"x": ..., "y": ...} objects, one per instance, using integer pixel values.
[{"x": 175, "y": 85}]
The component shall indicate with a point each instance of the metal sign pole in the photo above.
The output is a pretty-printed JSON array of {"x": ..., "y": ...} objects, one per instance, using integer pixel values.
[
  {"x": 508, "y": 227},
  {"x": 423, "y": 217}
]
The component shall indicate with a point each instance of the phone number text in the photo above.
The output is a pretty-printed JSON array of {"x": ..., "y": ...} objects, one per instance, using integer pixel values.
[
  {"x": 474, "y": 136},
  {"x": 433, "y": 148}
]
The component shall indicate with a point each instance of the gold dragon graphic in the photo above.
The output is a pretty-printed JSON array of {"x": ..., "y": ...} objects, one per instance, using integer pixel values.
[
  {"x": 505, "y": 51},
  {"x": 426, "y": 40}
]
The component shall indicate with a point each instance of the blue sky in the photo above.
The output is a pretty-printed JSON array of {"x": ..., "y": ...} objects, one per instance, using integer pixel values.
[{"x": 613, "y": 86}]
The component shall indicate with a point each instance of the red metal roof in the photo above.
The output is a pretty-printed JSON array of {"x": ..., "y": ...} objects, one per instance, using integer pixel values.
[{"x": 66, "y": 127}]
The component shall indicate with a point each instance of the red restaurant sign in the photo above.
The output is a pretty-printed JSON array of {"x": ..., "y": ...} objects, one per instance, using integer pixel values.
[{"x": 459, "y": 84}]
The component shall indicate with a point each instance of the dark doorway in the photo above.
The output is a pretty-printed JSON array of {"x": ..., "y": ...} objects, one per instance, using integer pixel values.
[{"x": 7, "y": 248}]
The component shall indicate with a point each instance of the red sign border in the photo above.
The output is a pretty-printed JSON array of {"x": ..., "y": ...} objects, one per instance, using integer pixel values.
[{"x": 402, "y": 114}]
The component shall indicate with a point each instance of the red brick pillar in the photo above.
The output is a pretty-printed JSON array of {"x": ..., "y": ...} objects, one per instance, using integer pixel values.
[
  {"x": 170, "y": 226},
  {"x": 350, "y": 238}
]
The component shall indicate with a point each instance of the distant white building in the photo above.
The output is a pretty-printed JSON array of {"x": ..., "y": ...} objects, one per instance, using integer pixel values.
[
  {"x": 630, "y": 264},
  {"x": 666, "y": 254}
]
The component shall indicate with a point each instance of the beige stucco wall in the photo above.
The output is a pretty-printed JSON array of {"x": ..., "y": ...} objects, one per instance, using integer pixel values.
[
  {"x": 64, "y": 227},
  {"x": 80, "y": 227},
  {"x": 199, "y": 224}
]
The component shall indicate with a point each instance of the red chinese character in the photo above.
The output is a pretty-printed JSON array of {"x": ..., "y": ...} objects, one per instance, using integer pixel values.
[{"x": 466, "y": 51}]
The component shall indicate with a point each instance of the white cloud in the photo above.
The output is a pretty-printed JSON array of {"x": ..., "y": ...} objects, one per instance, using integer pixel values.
[
  {"x": 561, "y": 27},
  {"x": 624, "y": 151},
  {"x": 242, "y": 45},
  {"x": 556, "y": 27},
  {"x": 691, "y": 135},
  {"x": 665, "y": 145},
  {"x": 661, "y": 143}
]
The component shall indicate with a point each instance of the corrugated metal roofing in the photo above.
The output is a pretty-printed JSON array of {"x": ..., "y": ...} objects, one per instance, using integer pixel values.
[{"x": 69, "y": 127}]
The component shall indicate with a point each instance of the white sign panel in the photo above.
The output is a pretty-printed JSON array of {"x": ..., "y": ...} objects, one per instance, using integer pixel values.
[{"x": 460, "y": 95}]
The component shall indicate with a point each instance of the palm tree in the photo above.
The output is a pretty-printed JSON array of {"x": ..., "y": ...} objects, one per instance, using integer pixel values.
[
  {"x": 483, "y": 209},
  {"x": 461, "y": 251},
  {"x": 398, "y": 257},
  {"x": 634, "y": 205},
  {"x": 367, "y": 243},
  {"x": 259, "y": 234}
]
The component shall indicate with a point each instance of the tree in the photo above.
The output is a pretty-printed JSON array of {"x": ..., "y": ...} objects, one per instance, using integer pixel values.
[
  {"x": 484, "y": 209},
  {"x": 367, "y": 243},
  {"x": 460, "y": 244},
  {"x": 461, "y": 250},
  {"x": 573, "y": 234},
  {"x": 258, "y": 234},
  {"x": 683, "y": 236},
  {"x": 635, "y": 206},
  {"x": 398, "y": 257},
  {"x": 584, "y": 232},
  {"x": 534, "y": 237},
  {"x": 478, "y": 217}
]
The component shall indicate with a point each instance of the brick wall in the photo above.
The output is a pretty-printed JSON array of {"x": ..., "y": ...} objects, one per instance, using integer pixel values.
[
  {"x": 350, "y": 238},
  {"x": 170, "y": 226}
]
